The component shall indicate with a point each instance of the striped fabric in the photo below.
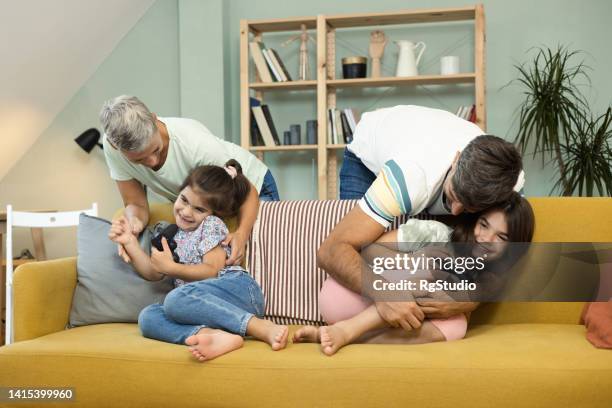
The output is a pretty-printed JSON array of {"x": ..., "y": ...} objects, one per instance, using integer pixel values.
[{"x": 281, "y": 255}]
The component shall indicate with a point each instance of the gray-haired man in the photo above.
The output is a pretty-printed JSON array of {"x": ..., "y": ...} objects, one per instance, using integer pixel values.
[{"x": 144, "y": 150}]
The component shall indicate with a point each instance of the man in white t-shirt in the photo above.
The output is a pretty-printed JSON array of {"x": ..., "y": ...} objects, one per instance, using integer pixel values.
[
  {"x": 144, "y": 150},
  {"x": 406, "y": 160}
]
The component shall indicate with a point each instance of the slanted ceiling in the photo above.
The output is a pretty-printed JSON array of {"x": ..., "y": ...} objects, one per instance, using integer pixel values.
[{"x": 48, "y": 50}]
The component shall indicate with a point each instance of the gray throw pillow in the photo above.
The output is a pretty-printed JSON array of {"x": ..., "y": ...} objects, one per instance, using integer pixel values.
[{"x": 109, "y": 290}]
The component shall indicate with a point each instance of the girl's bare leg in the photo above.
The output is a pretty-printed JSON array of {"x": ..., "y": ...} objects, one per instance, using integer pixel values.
[{"x": 369, "y": 327}]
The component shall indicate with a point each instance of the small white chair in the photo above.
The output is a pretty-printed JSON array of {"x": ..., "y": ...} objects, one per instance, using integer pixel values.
[{"x": 32, "y": 220}]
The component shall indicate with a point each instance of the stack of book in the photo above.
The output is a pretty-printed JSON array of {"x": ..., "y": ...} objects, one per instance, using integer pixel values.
[
  {"x": 263, "y": 131},
  {"x": 268, "y": 64},
  {"x": 341, "y": 124},
  {"x": 467, "y": 112}
]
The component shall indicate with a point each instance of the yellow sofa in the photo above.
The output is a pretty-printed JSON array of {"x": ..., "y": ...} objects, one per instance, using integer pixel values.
[{"x": 515, "y": 354}]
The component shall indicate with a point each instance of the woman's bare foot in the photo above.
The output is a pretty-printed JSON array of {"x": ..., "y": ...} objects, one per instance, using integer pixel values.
[
  {"x": 334, "y": 337},
  {"x": 207, "y": 343},
  {"x": 273, "y": 334},
  {"x": 306, "y": 334}
]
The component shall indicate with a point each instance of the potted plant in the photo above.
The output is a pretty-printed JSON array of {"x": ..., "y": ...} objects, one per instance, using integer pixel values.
[{"x": 556, "y": 119}]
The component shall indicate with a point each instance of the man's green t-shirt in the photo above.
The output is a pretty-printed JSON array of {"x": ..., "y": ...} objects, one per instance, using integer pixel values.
[{"x": 191, "y": 144}]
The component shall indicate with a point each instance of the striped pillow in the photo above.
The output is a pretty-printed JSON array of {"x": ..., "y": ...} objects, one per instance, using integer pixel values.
[{"x": 282, "y": 255}]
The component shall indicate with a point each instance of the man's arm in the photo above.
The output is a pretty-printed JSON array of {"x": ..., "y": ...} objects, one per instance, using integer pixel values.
[
  {"x": 246, "y": 218},
  {"x": 339, "y": 253},
  {"x": 136, "y": 209},
  {"x": 135, "y": 202},
  {"x": 339, "y": 256}
]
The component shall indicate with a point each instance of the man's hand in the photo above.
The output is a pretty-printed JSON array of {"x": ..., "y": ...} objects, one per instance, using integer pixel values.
[
  {"x": 135, "y": 226},
  {"x": 120, "y": 232},
  {"x": 162, "y": 261},
  {"x": 237, "y": 241},
  {"x": 407, "y": 315},
  {"x": 442, "y": 310}
]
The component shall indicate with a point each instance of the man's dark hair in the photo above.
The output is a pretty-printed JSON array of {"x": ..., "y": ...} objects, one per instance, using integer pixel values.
[{"x": 486, "y": 172}]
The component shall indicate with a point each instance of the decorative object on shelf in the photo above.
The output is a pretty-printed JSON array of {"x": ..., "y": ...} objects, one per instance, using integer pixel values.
[
  {"x": 296, "y": 134},
  {"x": 449, "y": 65},
  {"x": 556, "y": 120},
  {"x": 354, "y": 67},
  {"x": 407, "y": 62},
  {"x": 286, "y": 137},
  {"x": 311, "y": 132},
  {"x": 304, "y": 67},
  {"x": 89, "y": 139},
  {"x": 378, "y": 42}
]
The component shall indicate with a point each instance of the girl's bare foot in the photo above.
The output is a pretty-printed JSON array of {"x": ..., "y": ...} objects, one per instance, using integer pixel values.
[
  {"x": 333, "y": 338},
  {"x": 273, "y": 334},
  {"x": 306, "y": 334},
  {"x": 207, "y": 343}
]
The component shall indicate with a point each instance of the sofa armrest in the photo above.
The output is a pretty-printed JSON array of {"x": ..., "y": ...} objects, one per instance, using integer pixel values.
[{"x": 42, "y": 296}]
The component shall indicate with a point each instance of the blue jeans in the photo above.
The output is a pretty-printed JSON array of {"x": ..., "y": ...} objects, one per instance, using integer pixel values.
[
  {"x": 355, "y": 177},
  {"x": 227, "y": 302},
  {"x": 269, "y": 191}
]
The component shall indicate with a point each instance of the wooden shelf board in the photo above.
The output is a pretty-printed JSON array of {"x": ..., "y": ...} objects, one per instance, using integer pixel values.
[
  {"x": 289, "y": 85},
  {"x": 402, "y": 17},
  {"x": 336, "y": 146},
  {"x": 282, "y": 148},
  {"x": 396, "y": 81},
  {"x": 282, "y": 24}
]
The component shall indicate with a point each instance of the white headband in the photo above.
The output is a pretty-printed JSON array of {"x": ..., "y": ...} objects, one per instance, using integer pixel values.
[
  {"x": 520, "y": 182},
  {"x": 231, "y": 170}
]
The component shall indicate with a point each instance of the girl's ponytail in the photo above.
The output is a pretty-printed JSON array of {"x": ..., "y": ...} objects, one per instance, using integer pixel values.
[{"x": 242, "y": 186}]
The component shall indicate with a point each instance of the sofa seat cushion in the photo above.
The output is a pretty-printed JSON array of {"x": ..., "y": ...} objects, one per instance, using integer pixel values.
[{"x": 513, "y": 364}]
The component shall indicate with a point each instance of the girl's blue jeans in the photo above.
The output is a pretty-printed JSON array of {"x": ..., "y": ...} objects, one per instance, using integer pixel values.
[{"x": 227, "y": 302}]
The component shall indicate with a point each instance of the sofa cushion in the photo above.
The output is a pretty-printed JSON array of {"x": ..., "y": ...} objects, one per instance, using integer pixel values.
[
  {"x": 282, "y": 255},
  {"x": 514, "y": 365},
  {"x": 108, "y": 289}
]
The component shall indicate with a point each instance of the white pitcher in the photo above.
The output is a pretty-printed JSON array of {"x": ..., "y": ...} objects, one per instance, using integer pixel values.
[{"x": 406, "y": 61}]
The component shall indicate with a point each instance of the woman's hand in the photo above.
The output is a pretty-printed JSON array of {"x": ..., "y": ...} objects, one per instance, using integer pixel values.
[
  {"x": 162, "y": 261},
  {"x": 237, "y": 241}
]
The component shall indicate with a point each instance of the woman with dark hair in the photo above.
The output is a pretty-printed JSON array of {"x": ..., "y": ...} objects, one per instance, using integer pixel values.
[{"x": 354, "y": 319}]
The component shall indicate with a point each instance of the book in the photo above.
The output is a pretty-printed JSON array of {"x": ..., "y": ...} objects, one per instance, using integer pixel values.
[
  {"x": 351, "y": 119},
  {"x": 260, "y": 62},
  {"x": 275, "y": 75},
  {"x": 332, "y": 126},
  {"x": 277, "y": 66},
  {"x": 280, "y": 63},
  {"x": 346, "y": 128},
  {"x": 329, "y": 127},
  {"x": 262, "y": 125},
  {"x": 339, "y": 132},
  {"x": 256, "y": 139},
  {"x": 268, "y": 115},
  {"x": 472, "y": 116}
]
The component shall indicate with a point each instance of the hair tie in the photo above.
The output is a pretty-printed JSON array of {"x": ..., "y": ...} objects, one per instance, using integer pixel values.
[
  {"x": 520, "y": 182},
  {"x": 231, "y": 170}
]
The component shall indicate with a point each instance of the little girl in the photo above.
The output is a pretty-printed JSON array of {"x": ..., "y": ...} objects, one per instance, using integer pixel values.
[
  {"x": 213, "y": 306},
  {"x": 354, "y": 319}
]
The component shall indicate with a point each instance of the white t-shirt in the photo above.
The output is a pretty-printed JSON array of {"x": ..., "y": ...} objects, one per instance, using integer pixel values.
[
  {"x": 410, "y": 148},
  {"x": 191, "y": 144}
]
